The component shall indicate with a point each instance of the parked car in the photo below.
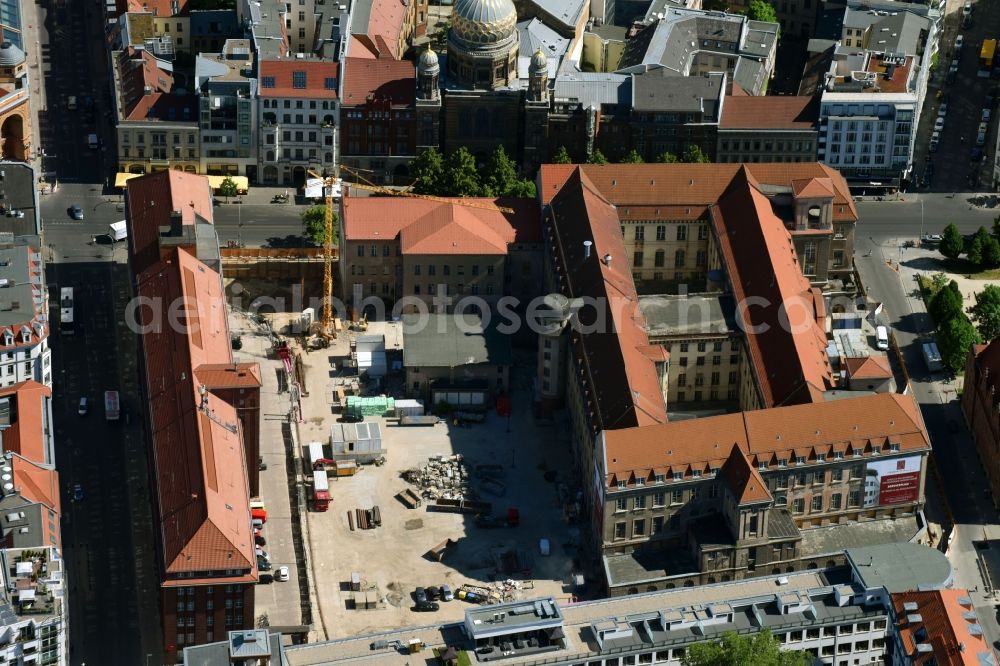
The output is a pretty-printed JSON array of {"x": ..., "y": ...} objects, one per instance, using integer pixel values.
[
  {"x": 265, "y": 579},
  {"x": 77, "y": 492},
  {"x": 420, "y": 595},
  {"x": 433, "y": 593},
  {"x": 939, "y": 124},
  {"x": 943, "y": 110},
  {"x": 959, "y": 43},
  {"x": 262, "y": 553},
  {"x": 932, "y": 238},
  {"x": 976, "y": 154},
  {"x": 258, "y": 523},
  {"x": 446, "y": 593},
  {"x": 76, "y": 212},
  {"x": 82, "y": 409},
  {"x": 426, "y": 606},
  {"x": 281, "y": 574},
  {"x": 263, "y": 564},
  {"x": 259, "y": 540}
]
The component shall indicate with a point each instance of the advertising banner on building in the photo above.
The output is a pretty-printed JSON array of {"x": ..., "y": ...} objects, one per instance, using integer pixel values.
[{"x": 893, "y": 481}]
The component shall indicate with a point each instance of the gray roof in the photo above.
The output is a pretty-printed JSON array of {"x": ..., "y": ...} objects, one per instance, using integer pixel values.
[
  {"x": 898, "y": 31},
  {"x": 760, "y": 38},
  {"x": 900, "y": 567},
  {"x": 593, "y": 89},
  {"x": 747, "y": 73},
  {"x": 17, "y": 514},
  {"x": 565, "y": 12},
  {"x": 536, "y": 36},
  {"x": 919, "y": 9},
  {"x": 663, "y": 90},
  {"x": 17, "y": 306},
  {"x": 447, "y": 341},
  {"x": 218, "y": 653},
  {"x": 18, "y": 191},
  {"x": 266, "y": 25},
  {"x": 609, "y": 32},
  {"x": 693, "y": 314}
]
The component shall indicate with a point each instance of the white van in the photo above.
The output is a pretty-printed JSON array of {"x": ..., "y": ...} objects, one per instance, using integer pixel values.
[
  {"x": 118, "y": 231},
  {"x": 882, "y": 338}
]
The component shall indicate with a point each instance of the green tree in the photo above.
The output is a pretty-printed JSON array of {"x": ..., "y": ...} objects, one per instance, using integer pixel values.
[
  {"x": 991, "y": 252},
  {"x": 977, "y": 245},
  {"x": 760, "y": 649},
  {"x": 946, "y": 303},
  {"x": 461, "y": 177},
  {"x": 986, "y": 312},
  {"x": 955, "y": 337},
  {"x": 500, "y": 174},
  {"x": 428, "y": 170},
  {"x": 632, "y": 158},
  {"x": 952, "y": 244},
  {"x": 759, "y": 10},
  {"x": 597, "y": 157},
  {"x": 693, "y": 154},
  {"x": 227, "y": 188},
  {"x": 524, "y": 188},
  {"x": 562, "y": 156},
  {"x": 314, "y": 224},
  {"x": 667, "y": 158},
  {"x": 996, "y": 227}
]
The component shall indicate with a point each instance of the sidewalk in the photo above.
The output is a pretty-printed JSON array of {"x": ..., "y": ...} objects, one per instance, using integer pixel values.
[{"x": 33, "y": 16}]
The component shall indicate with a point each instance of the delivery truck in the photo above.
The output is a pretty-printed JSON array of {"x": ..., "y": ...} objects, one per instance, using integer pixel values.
[
  {"x": 932, "y": 357},
  {"x": 117, "y": 231},
  {"x": 112, "y": 409},
  {"x": 321, "y": 491}
]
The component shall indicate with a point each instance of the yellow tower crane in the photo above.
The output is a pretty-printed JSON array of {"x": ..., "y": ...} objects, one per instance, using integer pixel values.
[{"x": 326, "y": 319}]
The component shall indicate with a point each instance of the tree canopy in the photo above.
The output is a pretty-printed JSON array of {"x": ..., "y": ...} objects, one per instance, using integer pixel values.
[
  {"x": 562, "y": 156},
  {"x": 632, "y": 157},
  {"x": 955, "y": 337},
  {"x": 693, "y": 154},
  {"x": 314, "y": 224},
  {"x": 428, "y": 170},
  {"x": 952, "y": 244},
  {"x": 986, "y": 312},
  {"x": 760, "y": 649},
  {"x": 457, "y": 175},
  {"x": 597, "y": 157},
  {"x": 759, "y": 10},
  {"x": 227, "y": 188},
  {"x": 946, "y": 303},
  {"x": 667, "y": 158}
]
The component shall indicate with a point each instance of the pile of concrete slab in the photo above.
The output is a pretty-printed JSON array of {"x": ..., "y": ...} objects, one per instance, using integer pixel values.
[{"x": 443, "y": 477}]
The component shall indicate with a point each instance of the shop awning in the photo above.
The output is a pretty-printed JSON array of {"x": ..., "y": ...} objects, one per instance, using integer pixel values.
[{"x": 215, "y": 182}]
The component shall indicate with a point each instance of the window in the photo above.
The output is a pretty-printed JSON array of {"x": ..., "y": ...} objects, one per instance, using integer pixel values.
[
  {"x": 639, "y": 502},
  {"x": 835, "y": 501},
  {"x": 640, "y": 232},
  {"x": 659, "y": 499},
  {"x": 702, "y": 232},
  {"x": 657, "y": 524},
  {"x": 298, "y": 79},
  {"x": 266, "y": 82},
  {"x": 817, "y": 503},
  {"x": 619, "y": 530},
  {"x": 637, "y": 260},
  {"x": 854, "y": 498},
  {"x": 677, "y": 496},
  {"x": 836, "y": 474},
  {"x": 659, "y": 259},
  {"x": 800, "y": 460},
  {"x": 639, "y": 527},
  {"x": 799, "y": 505},
  {"x": 661, "y": 232},
  {"x": 681, "y": 232},
  {"x": 621, "y": 504}
]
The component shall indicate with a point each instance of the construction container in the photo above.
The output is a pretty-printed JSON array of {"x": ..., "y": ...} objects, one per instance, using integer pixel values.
[
  {"x": 370, "y": 406},
  {"x": 355, "y": 581},
  {"x": 409, "y": 408},
  {"x": 346, "y": 468}
]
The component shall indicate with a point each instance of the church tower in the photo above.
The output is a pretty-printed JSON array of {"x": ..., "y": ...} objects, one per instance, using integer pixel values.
[
  {"x": 428, "y": 101},
  {"x": 536, "y": 114}
]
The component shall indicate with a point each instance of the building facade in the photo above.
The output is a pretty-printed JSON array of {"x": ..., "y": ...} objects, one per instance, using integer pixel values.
[
  {"x": 981, "y": 406},
  {"x": 768, "y": 129},
  {"x": 227, "y": 98},
  {"x": 24, "y": 325},
  {"x": 298, "y": 119},
  {"x": 700, "y": 510}
]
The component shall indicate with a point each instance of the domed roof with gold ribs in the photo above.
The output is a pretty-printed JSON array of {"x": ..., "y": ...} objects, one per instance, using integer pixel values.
[{"x": 483, "y": 21}]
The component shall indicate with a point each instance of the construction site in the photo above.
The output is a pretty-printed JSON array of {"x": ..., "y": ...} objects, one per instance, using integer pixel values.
[{"x": 385, "y": 495}]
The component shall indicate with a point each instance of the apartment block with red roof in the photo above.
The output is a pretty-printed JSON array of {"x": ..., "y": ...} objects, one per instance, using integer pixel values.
[
  {"x": 157, "y": 129},
  {"x": 937, "y": 628},
  {"x": 762, "y": 492},
  {"x": 981, "y": 406},
  {"x": 420, "y": 249},
  {"x": 378, "y": 110},
  {"x": 772, "y": 128},
  {"x": 298, "y": 119},
  {"x": 33, "y": 611}
]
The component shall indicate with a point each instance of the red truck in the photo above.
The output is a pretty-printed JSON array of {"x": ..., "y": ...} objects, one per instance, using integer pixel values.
[{"x": 321, "y": 491}]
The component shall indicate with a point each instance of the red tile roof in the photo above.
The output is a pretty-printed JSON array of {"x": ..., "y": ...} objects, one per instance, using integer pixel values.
[
  {"x": 155, "y": 7},
  {"x": 859, "y": 424},
  {"x": 141, "y": 71},
  {"x": 622, "y": 382},
  {"x": 386, "y": 20},
  {"x": 229, "y": 375},
  {"x": 439, "y": 227},
  {"x": 786, "y": 342},
  {"x": 946, "y": 620},
  {"x": 165, "y": 107},
  {"x": 868, "y": 367},
  {"x": 743, "y": 479},
  {"x": 317, "y": 72},
  {"x": 201, "y": 478},
  {"x": 810, "y": 188},
  {"x": 149, "y": 202},
  {"x": 789, "y": 112},
  {"x": 26, "y": 435},
  {"x": 382, "y": 77},
  {"x": 689, "y": 185}
]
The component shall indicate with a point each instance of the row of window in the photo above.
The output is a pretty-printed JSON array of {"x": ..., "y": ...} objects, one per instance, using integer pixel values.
[
  {"x": 299, "y": 104},
  {"x": 767, "y": 145},
  {"x": 639, "y": 230},
  {"x": 659, "y": 259},
  {"x": 714, "y": 379},
  {"x": 734, "y": 359},
  {"x": 714, "y": 394}
]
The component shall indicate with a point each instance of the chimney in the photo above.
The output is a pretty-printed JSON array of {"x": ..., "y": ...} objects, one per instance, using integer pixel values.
[
  {"x": 176, "y": 222},
  {"x": 586, "y": 248},
  {"x": 607, "y": 260}
]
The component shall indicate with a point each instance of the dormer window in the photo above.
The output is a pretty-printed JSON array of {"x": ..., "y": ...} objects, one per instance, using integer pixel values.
[
  {"x": 762, "y": 465},
  {"x": 894, "y": 447},
  {"x": 800, "y": 460},
  {"x": 639, "y": 481},
  {"x": 660, "y": 478},
  {"x": 820, "y": 457},
  {"x": 621, "y": 485},
  {"x": 838, "y": 455},
  {"x": 696, "y": 474},
  {"x": 713, "y": 471},
  {"x": 782, "y": 462},
  {"x": 678, "y": 476},
  {"x": 8, "y": 338}
]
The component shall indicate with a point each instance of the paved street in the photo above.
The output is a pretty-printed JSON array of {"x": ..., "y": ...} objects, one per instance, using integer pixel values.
[
  {"x": 882, "y": 225},
  {"x": 952, "y": 165}
]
